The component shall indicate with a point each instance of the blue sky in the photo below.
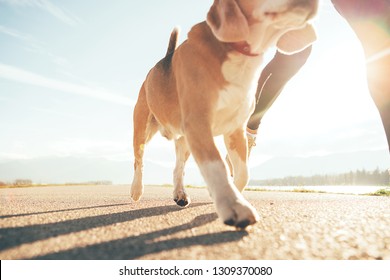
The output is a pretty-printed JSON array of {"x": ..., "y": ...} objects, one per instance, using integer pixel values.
[{"x": 70, "y": 73}]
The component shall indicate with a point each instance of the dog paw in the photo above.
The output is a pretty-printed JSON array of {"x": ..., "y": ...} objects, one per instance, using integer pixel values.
[
  {"x": 181, "y": 198},
  {"x": 239, "y": 214},
  {"x": 136, "y": 192}
]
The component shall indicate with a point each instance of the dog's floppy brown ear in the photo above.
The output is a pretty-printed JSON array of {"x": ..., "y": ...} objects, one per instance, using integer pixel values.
[
  {"x": 297, "y": 40},
  {"x": 227, "y": 21}
]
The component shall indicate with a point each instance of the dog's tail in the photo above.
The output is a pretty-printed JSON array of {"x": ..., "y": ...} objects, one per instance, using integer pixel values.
[{"x": 173, "y": 41}]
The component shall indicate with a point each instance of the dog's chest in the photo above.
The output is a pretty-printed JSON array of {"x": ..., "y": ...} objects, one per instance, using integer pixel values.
[{"x": 236, "y": 100}]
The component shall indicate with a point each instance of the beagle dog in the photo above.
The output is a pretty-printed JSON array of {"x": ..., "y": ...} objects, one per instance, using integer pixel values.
[{"x": 206, "y": 87}]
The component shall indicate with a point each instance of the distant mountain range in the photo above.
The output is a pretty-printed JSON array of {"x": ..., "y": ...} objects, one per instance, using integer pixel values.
[
  {"x": 74, "y": 169},
  {"x": 65, "y": 170},
  {"x": 280, "y": 167}
]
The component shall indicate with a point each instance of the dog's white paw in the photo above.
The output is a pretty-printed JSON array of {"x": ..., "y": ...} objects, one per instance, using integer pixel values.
[
  {"x": 181, "y": 198},
  {"x": 238, "y": 213},
  {"x": 136, "y": 192}
]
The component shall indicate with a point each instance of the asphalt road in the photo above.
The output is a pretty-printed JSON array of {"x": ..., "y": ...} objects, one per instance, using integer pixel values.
[{"x": 101, "y": 222}]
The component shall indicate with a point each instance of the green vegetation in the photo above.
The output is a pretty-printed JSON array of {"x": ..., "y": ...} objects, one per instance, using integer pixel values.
[
  {"x": 381, "y": 192},
  {"x": 301, "y": 190},
  {"x": 194, "y": 187},
  {"x": 257, "y": 190},
  {"x": 25, "y": 183}
]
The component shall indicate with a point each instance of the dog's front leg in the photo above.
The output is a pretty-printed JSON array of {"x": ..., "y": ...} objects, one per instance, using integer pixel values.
[{"x": 231, "y": 206}]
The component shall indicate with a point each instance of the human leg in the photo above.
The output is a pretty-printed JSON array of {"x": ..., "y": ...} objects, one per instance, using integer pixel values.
[
  {"x": 271, "y": 83},
  {"x": 370, "y": 20}
]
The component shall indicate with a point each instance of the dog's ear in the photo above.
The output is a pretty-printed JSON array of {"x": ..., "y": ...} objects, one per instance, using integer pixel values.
[
  {"x": 227, "y": 21},
  {"x": 297, "y": 40}
]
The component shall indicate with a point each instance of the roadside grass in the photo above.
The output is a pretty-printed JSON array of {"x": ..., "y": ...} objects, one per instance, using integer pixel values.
[
  {"x": 44, "y": 185},
  {"x": 22, "y": 186},
  {"x": 381, "y": 192},
  {"x": 186, "y": 186},
  {"x": 306, "y": 191},
  {"x": 299, "y": 190}
]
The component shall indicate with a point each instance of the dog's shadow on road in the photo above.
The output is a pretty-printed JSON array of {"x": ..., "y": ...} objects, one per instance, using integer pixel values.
[
  {"x": 130, "y": 247},
  {"x": 134, "y": 247}
]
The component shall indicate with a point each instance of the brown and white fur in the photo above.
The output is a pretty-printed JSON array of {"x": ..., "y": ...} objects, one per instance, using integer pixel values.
[{"x": 205, "y": 87}]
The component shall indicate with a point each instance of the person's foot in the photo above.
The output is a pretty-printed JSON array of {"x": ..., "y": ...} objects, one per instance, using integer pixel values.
[{"x": 251, "y": 136}]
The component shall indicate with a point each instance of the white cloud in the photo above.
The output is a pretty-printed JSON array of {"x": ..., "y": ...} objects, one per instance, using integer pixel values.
[
  {"x": 89, "y": 148},
  {"x": 13, "y": 73},
  {"x": 12, "y": 156},
  {"x": 33, "y": 45},
  {"x": 15, "y": 34},
  {"x": 59, "y": 13}
]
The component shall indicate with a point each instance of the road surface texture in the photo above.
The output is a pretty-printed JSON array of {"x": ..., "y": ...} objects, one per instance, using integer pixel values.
[{"x": 101, "y": 222}]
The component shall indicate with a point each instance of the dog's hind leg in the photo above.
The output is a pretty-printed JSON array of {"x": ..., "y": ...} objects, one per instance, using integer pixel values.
[
  {"x": 145, "y": 126},
  {"x": 236, "y": 145},
  {"x": 182, "y": 154}
]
